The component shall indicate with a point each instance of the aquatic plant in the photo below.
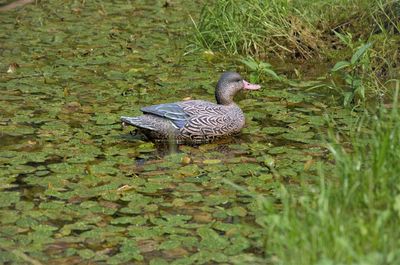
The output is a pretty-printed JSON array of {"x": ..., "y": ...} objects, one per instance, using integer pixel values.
[
  {"x": 259, "y": 70},
  {"x": 353, "y": 74}
]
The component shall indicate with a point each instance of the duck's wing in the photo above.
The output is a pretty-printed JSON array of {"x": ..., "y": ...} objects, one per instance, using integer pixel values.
[{"x": 170, "y": 111}]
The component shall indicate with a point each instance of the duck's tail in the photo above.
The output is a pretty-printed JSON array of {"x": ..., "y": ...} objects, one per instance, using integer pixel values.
[{"x": 139, "y": 121}]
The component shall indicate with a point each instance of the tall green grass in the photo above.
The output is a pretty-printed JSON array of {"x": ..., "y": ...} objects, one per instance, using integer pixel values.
[
  {"x": 330, "y": 30},
  {"x": 352, "y": 215},
  {"x": 300, "y": 29},
  {"x": 253, "y": 27}
]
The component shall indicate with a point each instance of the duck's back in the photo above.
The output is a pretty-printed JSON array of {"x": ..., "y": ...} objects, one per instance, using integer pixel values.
[
  {"x": 208, "y": 121},
  {"x": 192, "y": 121},
  {"x": 195, "y": 107}
]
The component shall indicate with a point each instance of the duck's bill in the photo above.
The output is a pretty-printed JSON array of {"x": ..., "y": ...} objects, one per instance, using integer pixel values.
[{"x": 249, "y": 86}]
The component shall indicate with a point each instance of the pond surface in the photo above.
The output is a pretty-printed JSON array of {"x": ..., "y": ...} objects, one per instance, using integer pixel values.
[{"x": 76, "y": 187}]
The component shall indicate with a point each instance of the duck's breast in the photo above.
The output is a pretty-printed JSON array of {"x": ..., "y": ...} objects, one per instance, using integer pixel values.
[{"x": 237, "y": 118}]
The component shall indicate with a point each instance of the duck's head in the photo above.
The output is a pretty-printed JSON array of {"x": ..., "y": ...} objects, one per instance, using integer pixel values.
[{"x": 229, "y": 84}]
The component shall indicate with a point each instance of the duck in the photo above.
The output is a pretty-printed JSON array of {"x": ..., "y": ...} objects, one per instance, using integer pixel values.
[{"x": 195, "y": 121}]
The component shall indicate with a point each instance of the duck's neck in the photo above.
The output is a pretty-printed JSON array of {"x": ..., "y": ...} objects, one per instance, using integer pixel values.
[
  {"x": 224, "y": 96},
  {"x": 224, "y": 100}
]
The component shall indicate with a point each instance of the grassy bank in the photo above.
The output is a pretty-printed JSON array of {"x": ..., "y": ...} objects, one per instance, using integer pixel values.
[
  {"x": 352, "y": 215},
  {"x": 300, "y": 29},
  {"x": 315, "y": 32}
]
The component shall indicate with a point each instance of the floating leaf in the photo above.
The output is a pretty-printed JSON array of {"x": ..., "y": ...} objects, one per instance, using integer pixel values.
[
  {"x": 211, "y": 240},
  {"x": 8, "y": 198}
]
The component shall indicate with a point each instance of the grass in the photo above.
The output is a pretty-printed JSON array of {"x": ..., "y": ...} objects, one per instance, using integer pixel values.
[
  {"x": 291, "y": 28},
  {"x": 252, "y": 28},
  {"x": 352, "y": 215}
]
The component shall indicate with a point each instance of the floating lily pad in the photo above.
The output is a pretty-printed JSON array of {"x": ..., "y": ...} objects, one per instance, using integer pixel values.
[
  {"x": 8, "y": 198},
  {"x": 274, "y": 130}
]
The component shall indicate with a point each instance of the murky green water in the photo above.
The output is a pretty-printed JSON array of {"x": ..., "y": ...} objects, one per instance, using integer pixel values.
[{"x": 76, "y": 187}]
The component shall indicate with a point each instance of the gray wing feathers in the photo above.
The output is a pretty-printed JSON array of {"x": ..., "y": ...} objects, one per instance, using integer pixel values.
[{"x": 170, "y": 111}]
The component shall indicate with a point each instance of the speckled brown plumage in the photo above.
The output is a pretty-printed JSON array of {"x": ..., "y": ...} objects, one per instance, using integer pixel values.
[{"x": 195, "y": 121}]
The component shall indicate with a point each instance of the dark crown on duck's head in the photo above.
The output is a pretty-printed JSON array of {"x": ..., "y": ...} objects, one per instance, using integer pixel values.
[{"x": 228, "y": 85}]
